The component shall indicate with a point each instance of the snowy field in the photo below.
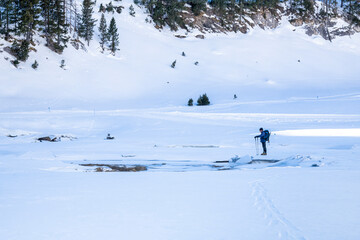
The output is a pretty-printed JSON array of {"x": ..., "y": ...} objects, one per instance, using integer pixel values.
[
  {"x": 184, "y": 194},
  {"x": 305, "y": 90}
]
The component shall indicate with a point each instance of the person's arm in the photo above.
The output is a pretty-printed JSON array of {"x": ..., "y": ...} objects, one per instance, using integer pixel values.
[{"x": 260, "y": 136}]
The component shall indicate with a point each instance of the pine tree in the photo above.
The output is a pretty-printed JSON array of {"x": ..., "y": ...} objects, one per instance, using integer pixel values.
[
  {"x": 6, "y": 7},
  {"x": 110, "y": 7},
  {"x": 173, "y": 8},
  {"x": 21, "y": 51},
  {"x": 219, "y": 5},
  {"x": 9, "y": 16},
  {"x": 15, "y": 16},
  {"x": 113, "y": 36},
  {"x": 241, "y": 4},
  {"x": 1, "y": 18},
  {"x": 166, "y": 12},
  {"x": 103, "y": 32},
  {"x": 102, "y": 8},
  {"x": 60, "y": 27},
  {"x": 47, "y": 7},
  {"x": 190, "y": 102},
  {"x": 203, "y": 100},
  {"x": 352, "y": 7},
  {"x": 87, "y": 23},
  {"x": 197, "y": 6},
  {"x": 29, "y": 15}
]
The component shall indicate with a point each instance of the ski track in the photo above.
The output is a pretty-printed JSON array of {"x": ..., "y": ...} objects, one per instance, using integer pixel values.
[{"x": 276, "y": 220}]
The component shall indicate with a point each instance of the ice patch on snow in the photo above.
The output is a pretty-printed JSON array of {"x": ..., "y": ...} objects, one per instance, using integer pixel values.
[
  {"x": 350, "y": 132},
  {"x": 342, "y": 147}
]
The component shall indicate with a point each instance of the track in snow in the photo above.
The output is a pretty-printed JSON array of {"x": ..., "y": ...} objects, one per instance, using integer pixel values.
[{"x": 276, "y": 220}]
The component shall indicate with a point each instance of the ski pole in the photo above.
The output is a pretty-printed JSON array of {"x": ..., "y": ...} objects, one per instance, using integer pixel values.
[{"x": 256, "y": 147}]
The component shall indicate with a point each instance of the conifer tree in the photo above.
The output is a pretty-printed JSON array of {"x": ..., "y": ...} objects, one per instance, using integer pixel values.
[
  {"x": 219, "y": 5},
  {"x": 15, "y": 16},
  {"x": 197, "y": 6},
  {"x": 113, "y": 36},
  {"x": 60, "y": 27},
  {"x": 47, "y": 11},
  {"x": 21, "y": 51},
  {"x": 102, "y": 8},
  {"x": 29, "y": 15},
  {"x": 166, "y": 12},
  {"x": 87, "y": 23},
  {"x": 190, "y": 102},
  {"x": 132, "y": 10},
  {"x": 1, "y": 18},
  {"x": 35, "y": 65},
  {"x": 110, "y": 7},
  {"x": 103, "y": 32},
  {"x": 203, "y": 100},
  {"x": 6, "y": 7}
]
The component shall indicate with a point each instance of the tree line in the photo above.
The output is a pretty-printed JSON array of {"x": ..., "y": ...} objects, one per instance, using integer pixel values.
[
  {"x": 55, "y": 20},
  {"x": 58, "y": 20},
  {"x": 167, "y": 12}
]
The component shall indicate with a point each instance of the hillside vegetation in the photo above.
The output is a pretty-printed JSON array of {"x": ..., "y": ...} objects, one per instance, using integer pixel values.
[{"x": 61, "y": 22}]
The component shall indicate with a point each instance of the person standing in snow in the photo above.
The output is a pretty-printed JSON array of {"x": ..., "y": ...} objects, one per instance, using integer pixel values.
[{"x": 264, "y": 136}]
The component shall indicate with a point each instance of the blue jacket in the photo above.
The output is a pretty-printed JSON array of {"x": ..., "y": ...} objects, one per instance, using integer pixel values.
[{"x": 261, "y": 136}]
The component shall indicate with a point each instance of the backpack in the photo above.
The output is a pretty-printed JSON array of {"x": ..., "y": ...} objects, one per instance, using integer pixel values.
[{"x": 267, "y": 135}]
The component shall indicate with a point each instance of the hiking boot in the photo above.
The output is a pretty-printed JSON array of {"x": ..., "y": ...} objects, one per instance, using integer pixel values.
[{"x": 264, "y": 154}]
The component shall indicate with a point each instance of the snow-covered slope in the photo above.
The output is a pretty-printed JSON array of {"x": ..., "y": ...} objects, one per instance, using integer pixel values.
[{"x": 262, "y": 64}]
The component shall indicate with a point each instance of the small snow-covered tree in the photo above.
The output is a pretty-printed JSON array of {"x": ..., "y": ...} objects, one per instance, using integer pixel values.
[
  {"x": 35, "y": 65},
  {"x": 103, "y": 32},
  {"x": 132, "y": 10},
  {"x": 110, "y": 7},
  {"x": 62, "y": 64},
  {"x": 113, "y": 36},
  {"x": 203, "y": 100},
  {"x": 102, "y": 8},
  {"x": 190, "y": 102},
  {"x": 21, "y": 51}
]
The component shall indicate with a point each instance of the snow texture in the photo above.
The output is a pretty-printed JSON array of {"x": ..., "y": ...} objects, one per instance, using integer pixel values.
[{"x": 189, "y": 191}]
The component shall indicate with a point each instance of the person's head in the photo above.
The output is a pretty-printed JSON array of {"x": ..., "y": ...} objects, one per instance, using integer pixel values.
[{"x": 261, "y": 129}]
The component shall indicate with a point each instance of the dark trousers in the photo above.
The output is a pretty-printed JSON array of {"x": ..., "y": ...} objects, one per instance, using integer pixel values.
[{"x": 264, "y": 146}]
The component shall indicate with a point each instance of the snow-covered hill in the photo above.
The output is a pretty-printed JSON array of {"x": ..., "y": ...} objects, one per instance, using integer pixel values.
[{"x": 262, "y": 64}]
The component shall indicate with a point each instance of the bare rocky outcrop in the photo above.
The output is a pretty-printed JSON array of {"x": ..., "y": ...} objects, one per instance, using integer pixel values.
[{"x": 211, "y": 21}]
